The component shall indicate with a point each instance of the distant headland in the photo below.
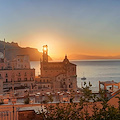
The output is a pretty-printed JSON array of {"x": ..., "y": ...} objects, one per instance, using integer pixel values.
[
  {"x": 13, "y": 49},
  {"x": 91, "y": 57}
]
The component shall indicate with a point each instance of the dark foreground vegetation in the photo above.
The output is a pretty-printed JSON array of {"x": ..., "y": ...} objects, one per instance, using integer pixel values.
[{"x": 90, "y": 107}]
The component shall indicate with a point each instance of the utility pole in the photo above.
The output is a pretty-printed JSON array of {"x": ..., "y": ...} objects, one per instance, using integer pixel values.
[
  {"x": 13, "y": 98},
  {"x": 4, "y": 50},
  {"x": 13, "y": 78}
]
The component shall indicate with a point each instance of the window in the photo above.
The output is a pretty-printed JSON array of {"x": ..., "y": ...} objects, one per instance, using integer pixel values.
[
  {"x": 19, "y": 74},
  {"x": 19, "y": 79},
  {"x": 6, "y": 80},
  {"x": 25, "y": 85},
  {"x": 32, "y": 78},
  {"x": 25, "y": 79},
  {"x": 39, "y": 87},
  {"x": 31, "y": 74},
  {"x": 6, "y": 75},
  {"x": 25, "y": 74}
]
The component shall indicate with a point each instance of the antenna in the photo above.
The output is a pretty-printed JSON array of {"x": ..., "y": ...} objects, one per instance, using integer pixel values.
[
  {"x": 4, "y": 49},
  {"x": 13, "y": 97},
  {"x": 40, "y": 65},
  {"x": 13, "y": 78}
]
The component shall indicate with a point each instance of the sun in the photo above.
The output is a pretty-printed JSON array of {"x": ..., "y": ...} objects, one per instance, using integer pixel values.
[{"x": 45, "y": 47}]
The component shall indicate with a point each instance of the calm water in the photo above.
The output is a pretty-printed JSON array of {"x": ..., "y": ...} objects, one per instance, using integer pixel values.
[{"x": 94, "y": 71}]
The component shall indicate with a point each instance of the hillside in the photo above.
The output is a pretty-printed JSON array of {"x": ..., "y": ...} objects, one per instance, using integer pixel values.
[{"x": 13, "y": 49}]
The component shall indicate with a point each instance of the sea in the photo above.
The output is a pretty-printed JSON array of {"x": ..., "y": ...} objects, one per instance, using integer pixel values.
[{"x": 93, "y": 70}]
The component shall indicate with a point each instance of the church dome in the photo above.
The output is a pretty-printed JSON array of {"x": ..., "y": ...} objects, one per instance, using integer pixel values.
[{"x": 66, "y": 61}]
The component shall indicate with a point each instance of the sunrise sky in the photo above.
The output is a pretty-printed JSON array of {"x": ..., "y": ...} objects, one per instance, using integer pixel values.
[{"x": 87, "y": 27}]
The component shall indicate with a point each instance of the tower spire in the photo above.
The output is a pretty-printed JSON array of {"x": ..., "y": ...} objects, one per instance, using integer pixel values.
[
  {"x": 66, "y": 61},
  {"x": 65, "y": 56}
]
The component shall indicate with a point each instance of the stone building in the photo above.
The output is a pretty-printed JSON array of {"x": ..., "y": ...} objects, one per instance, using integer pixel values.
[{"x": 57, "y": 76}]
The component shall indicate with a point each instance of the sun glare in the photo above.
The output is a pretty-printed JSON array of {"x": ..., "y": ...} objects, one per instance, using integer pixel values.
[
  {"x": 53, "y": 41},
  {"x": 45, "y": 48}
]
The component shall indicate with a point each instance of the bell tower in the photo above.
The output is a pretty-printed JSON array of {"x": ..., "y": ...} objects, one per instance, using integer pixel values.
[{"x": 45, "y": 53}]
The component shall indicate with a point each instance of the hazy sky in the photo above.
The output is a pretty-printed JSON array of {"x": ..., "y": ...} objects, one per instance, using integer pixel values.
[{"x": 89, "y": 27}]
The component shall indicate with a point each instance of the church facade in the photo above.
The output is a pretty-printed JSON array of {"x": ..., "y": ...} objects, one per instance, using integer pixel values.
[{"x": 57, "y": 76}]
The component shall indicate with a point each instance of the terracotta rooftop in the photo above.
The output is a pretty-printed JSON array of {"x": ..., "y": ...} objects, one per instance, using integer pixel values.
[{"x": 114, "y": 101}]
